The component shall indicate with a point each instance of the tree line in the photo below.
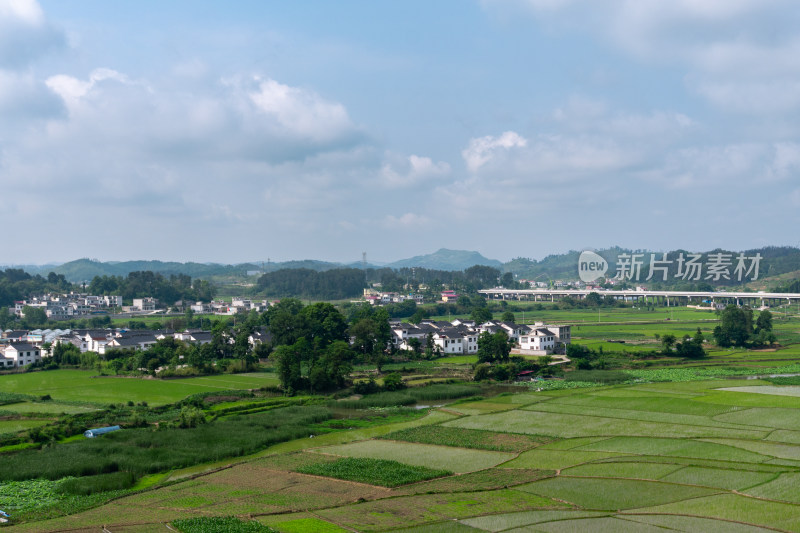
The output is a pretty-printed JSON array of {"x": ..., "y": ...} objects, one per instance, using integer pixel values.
[
  {"x": 335, "y": 284},
  {"x": 16, "y": 284},
  {"x": 167, "y": 290}
]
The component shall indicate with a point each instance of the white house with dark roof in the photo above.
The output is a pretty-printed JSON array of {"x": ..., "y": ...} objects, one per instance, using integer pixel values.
[
  {"x": 449, "y": 341},
  {"x": 21, "y": 354},
  {"x": 539, "y": 340},
  {"x": 194, "y": 336},
  {"x": 137, "y": 342}
]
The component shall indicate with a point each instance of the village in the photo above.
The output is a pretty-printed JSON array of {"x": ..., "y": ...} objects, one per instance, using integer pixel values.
[{"x": 20, "y": 348}]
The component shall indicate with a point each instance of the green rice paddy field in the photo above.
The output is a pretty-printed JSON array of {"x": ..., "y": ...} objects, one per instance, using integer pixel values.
[
  {"x": 720, "y": 455},
  {"x": 89, "y": 387}
]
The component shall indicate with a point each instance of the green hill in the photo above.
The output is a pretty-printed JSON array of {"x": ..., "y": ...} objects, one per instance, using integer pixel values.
[{"x": 445, "y": 259}]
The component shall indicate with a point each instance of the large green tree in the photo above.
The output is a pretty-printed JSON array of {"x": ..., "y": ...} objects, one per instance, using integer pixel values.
[
  {"x": 322, "y": 324},
  {"x": 494, "y": 347},
  {"x": 736, "y": 326}
]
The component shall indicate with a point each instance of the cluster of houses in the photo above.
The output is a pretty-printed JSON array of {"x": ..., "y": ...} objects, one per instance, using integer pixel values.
[
  {"x": 461, "y": 336},
  {"x": 73, "y": 305},
  {"x": 375, "y": 297},
  {"x": 67, "y": 306},
  {"x": 21, "y": 348},
  {"x": 236, "y": 305}
]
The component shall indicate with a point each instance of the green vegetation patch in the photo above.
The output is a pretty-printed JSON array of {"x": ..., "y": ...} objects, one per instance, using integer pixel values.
[
  {"x": 748, "y": 399},
  {"x": 308, "y": 525},
  {"x": 87, "y": 485},
  {"x": 89, "y": 386},
  {"x": 632, "y": 470},
  {"x": 662, "y": 403},
  {"x": 785, "y": 435},
  {"x": 604, "y": 524},
  {"x": 431, "y": 508},
  {"x": 719, "y": 478},
  {"x": 691, "y": 461},
  {"x": 146, "y": 451},
  {"x": 430, "y": 393},
  {"x": 448, "y": 526},
  {"x": 502, "y": 522},
  {"x": 489, "y": 479},
  {"x": 613, "y": 494},
  {"x": 381, "y": 399},
  {"x": 767, "y": 389},
  {"x": 30, "y": 494},
  {"x": 468, "y": 438},
  {"x": 569, "y": 444},
  {"x": 777, "y": 450},
  {"x": 444, "y": 391},
  {"x": 693, "y": 523},
  {"x": 785, "y": 487},
  {"x": 13, "y": 397},
  {"x": 219, "y": 524},
  {"x": 381, "y": 472},
  {"x": 20, "y": 424},
  {"x": 572, "y": 425},
  {"x": 645, "y": 416},
  {"x": 47, "y": 407},
  {"x": 607, "y": 377},
  {"x": 763, "y": 416},
  {"x": 735, "y": 508},
  {"x": 784, "y": 381},
  {"x": 482, "y": 407},
  {"x": 677, "y": 448},
  {"x": 455, "y": 459},
  {"x": 555, "y": 459}
]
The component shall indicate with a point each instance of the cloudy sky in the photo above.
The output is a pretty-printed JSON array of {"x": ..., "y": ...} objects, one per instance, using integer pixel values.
[{"x": 237, "y": 131}]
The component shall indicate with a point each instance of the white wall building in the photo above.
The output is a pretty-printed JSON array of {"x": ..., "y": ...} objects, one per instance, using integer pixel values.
[{"x": 22, "y": 354}]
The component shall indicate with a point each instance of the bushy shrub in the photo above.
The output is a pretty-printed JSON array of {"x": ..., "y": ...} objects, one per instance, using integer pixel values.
[{"x": 393, "y": 382}]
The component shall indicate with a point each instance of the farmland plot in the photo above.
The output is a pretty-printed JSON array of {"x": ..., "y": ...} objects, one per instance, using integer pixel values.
[
  {"x": 645, "y": 457},
  {"x": 455, "y": 459}
]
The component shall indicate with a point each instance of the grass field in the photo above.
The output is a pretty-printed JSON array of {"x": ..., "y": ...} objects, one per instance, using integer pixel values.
[
  {"x": 45, "y": 407},
  {"x": 12, "y": 426},
  {"x": 87, "y": 386},
  {"x": 686, "y": 456}
]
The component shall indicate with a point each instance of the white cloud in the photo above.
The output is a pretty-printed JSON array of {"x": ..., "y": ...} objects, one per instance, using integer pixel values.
[
  {"x": 586, "y": 116},
  {"x": 412, "y": 170},
  {"x": 481, "y": 150},
  {"x": 301, "y": 112},
  {"x": 554, "y": 159},
  {"x": 407, "y": 220},
  {"x": 23, "y": 97},
  {"x": 748, "y": 166},
  {"x": 25, "y": 34},
  {"x": 794, "y": 197},
  {"x": 738, "y": 54},
  {"x": 72, "y": 90},
  {"x": 770, "y": 97},
  {"x": 207, "y": 119}
]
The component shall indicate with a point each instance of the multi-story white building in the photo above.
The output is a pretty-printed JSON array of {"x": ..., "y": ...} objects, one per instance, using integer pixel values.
[
  {"x": 20, "y": 354},
  {"x": 144, "y": 304}
]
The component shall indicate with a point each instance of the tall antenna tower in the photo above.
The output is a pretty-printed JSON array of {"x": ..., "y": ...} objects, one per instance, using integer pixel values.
[{"x": 364, "y": 260}]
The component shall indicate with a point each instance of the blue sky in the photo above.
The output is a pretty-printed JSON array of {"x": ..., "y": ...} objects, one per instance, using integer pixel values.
[{"x": 235, "y": 132}]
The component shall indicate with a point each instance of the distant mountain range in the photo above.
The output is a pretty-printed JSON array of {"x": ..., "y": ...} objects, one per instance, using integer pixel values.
[
  {"x": 778, "y": 261},
  {"x": 85, "y": 269}
]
